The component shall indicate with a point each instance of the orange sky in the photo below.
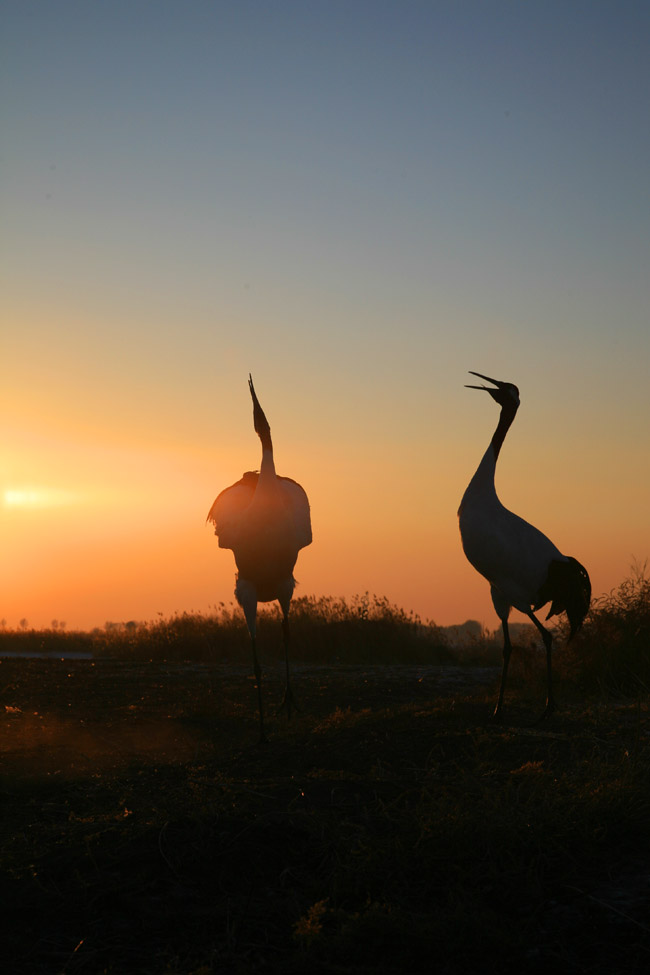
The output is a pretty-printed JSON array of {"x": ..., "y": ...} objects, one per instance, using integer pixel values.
[
  {"x": 358, "y": 210},
  {"x": 118, "y": 533}
]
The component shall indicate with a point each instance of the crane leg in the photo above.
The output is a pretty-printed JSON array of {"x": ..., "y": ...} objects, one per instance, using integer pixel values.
[
  {"x": 507, "y": 651},
  {"x": 548, "y": 643},
  {"x": 258, "y": 680},
  {"x": 246, "y": 596},
  {"x": 288, "y": 701}
]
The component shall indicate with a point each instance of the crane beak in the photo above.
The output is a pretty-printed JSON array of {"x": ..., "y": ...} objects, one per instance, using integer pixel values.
[
  {"x": 260, "y": 423},
  {"x": 495, "y": 382},
  {"x": 257, "y": 409}
]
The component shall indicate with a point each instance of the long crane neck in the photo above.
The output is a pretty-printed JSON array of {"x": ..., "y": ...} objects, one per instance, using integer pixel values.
[
  {"x": 263, "y": 430},
  {"x": 506, "y": 417},
  {"x": 481, "y": 489},
  {"x": 482, "y": 483},
  {"x": 267, "y": 467}
]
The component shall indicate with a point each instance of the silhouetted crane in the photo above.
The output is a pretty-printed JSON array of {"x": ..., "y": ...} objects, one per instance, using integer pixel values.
[
  {"x": 523, "y": 567},
  {"x": 265, "y": 520}
]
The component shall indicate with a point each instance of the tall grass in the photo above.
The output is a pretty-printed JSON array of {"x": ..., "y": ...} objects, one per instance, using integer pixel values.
[
  {"x": 611, "y": 653},
  {"x": 367, "y": 629},
  {"x": 325, "y": 629}
]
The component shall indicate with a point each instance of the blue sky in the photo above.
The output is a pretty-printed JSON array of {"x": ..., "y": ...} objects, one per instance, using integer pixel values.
[{"x": 357, "y": 202}]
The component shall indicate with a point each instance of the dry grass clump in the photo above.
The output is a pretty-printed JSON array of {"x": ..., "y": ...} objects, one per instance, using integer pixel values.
[
  {"x": 220, "y": 635},
  {"x": 54, "y": 643},
  {"x": 366, "y": 629},
  {"x": 612, "y": 651}
]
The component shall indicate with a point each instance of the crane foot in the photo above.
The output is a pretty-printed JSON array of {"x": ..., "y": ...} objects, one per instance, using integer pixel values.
[
  {"x": 288, "y": 703},
  {"x": 547, "y": 712}
]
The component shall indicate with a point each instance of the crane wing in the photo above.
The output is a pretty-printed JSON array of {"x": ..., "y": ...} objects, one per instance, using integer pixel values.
[
  {"x": 229, "y": 506},
  {"x": 298, "y": 502},
  {"x": 569, "y": 588}
]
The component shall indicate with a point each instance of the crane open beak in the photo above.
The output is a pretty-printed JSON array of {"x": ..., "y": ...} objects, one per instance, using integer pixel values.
[{"x": 495, "y": 382}]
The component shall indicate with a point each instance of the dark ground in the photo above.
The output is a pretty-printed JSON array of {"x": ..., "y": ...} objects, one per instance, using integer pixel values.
[{"x": 391, "y": 827}]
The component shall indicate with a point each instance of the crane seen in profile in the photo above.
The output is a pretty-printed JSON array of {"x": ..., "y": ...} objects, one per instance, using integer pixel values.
[{"x": 524, "y": 568}]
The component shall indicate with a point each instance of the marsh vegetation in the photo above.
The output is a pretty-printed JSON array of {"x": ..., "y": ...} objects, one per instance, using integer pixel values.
[{"x": 389, "y": 827}]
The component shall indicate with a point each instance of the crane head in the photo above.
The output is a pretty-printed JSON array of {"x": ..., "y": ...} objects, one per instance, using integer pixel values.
[
  {"x": 506, "y": 394},
  {"x": 261, "y": 424}
]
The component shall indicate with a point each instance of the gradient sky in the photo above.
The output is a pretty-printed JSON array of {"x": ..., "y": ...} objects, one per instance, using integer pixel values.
[{"x": 357, "y": 202}]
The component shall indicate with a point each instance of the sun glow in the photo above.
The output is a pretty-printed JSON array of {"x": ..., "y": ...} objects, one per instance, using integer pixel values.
[{"x": 38, "y": 497}]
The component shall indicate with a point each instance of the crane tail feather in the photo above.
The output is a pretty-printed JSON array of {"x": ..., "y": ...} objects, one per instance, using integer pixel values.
[{"x": 568, "y": 587}]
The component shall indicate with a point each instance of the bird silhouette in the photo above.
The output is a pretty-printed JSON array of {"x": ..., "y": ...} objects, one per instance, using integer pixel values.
[
  {"x": 524, "y": 568},
  {"x": 265, "y": 520}
]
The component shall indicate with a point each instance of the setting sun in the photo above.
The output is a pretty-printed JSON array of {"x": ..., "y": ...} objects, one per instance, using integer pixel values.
[{"x": 39, "y": 497}]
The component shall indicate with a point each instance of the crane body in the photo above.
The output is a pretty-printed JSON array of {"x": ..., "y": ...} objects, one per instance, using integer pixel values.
[{"x": 511, "y": 553}]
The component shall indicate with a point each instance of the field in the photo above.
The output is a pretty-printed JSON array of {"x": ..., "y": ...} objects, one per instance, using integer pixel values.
[{"x": 389, "y": 827}]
